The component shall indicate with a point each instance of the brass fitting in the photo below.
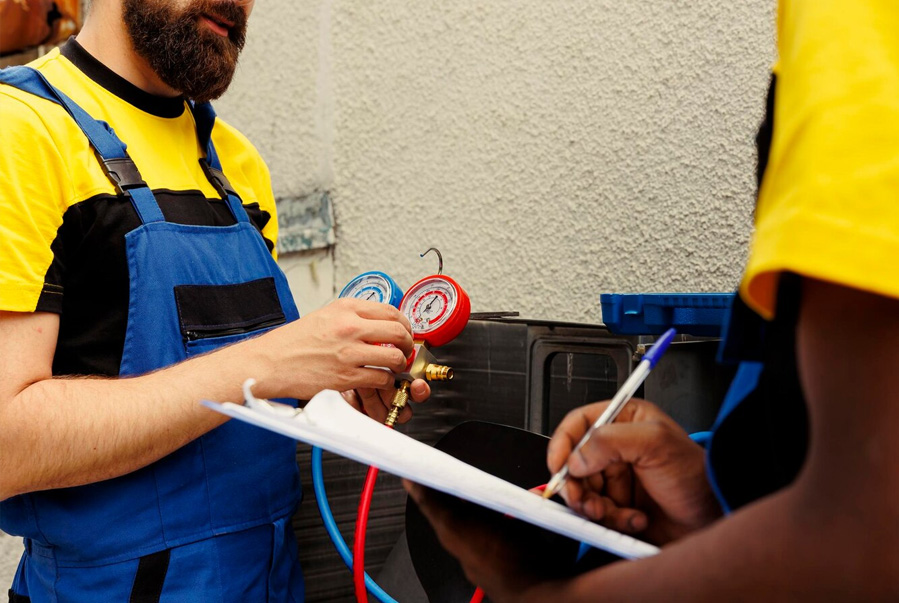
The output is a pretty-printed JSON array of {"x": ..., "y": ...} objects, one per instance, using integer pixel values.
[
  {"x": 400, "y": 398},
  {"x": 424, "y": 366},
  {"x": 438, "y": 372}
]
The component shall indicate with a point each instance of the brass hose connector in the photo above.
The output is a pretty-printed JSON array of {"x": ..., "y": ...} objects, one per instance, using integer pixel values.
[
  {"x": 438, "y": 372},
  {"x": 400, "y": 398},
  {"x": 425, "y": 366}
]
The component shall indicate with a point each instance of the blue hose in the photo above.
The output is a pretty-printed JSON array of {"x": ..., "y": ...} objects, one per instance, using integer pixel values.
[{"x": 318, "y": 485}]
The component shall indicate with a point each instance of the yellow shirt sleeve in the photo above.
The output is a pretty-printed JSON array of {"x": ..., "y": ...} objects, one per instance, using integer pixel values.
[
  {"x": 829, "y": 203},
  {"x": 34, "y": 194}
]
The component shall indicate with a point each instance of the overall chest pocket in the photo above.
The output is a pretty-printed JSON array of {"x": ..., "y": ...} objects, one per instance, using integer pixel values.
[{"x": 211, "y": 316}]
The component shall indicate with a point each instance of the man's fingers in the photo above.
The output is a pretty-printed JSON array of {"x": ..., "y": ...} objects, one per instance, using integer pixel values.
[
  {"x": 626, "y": 520},
  {"x": 370, "y": 378},
  {"x": 620, "y": 518},
  {"x": 385, "y": 323},
  {"x": 420, "y": 390},
  {"x": 583, "y": 498},
  {"x": 619, "y": 483},
  {"x": 353, "y": 400},
  {"x": 392, "y": 358},
  {"x": 594, "y": 506},
  {"x": 381, "y": 332},
  {"x": 371, "y": 401},
  {"x": 573, "y": 493},
  {"x": 405, "y": 414},
  {"x": 569, "y": 433},
  {"x": 578, "y": 421},
  {"x": 377, "y": 311},
  {"x": 634, "y": 443}
]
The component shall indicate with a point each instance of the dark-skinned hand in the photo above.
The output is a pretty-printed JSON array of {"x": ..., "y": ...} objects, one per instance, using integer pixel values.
[
  {"x": 506, "y": 557},
  {"x": 640, "y": 475}
]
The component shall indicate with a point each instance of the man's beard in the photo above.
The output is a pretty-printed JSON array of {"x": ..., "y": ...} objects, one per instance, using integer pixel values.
[{"x": 186, "y": 55}]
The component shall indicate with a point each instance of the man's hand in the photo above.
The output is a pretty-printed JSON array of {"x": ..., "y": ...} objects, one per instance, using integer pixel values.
[
  {"x": 507, "y": 558},
  {"x": 641, "y": 474},
  {"x": 376, "y": 402},
  {"x": 333, "y": 348}
]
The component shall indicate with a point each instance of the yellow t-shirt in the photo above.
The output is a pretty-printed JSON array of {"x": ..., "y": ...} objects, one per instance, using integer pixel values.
[
  {"x": 62, "y": 225},
  {"x": 829, "y": 202}
]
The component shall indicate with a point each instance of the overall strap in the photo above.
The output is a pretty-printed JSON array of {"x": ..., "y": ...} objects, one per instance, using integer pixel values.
[
  {"x": 204, "y": 116},
  {"x": 116, "y": 163}
]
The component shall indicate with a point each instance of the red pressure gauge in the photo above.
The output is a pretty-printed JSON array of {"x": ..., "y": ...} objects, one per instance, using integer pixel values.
[{"x": 438, "y": 309}]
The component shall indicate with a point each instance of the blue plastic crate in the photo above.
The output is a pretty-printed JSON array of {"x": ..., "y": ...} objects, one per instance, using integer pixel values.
[{"x": 700, "y": 314}]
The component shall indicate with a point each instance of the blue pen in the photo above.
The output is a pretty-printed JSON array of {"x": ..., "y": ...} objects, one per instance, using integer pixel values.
[{"x": 621, "y": 398}]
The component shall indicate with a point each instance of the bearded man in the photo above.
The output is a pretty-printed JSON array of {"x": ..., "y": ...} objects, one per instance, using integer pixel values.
[{"x": 137, "y": 277}]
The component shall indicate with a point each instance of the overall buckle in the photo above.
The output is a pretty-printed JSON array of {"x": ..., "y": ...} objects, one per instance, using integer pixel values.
[
  {"x": 218, "y": 180},
  {"x": 123, "y": 174}
]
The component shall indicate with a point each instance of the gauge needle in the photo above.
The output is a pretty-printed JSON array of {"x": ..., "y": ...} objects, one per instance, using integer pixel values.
[
  {"x": 370, "y": 295},
  {"x": 428, "y": 307}
]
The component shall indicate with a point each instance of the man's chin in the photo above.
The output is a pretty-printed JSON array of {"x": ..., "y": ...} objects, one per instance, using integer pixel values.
[
  {"x": 210, "y": 75},
  {"x": 210, "y": 93}
]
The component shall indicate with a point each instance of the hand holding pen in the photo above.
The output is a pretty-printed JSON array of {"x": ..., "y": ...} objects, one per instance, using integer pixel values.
[{"x": 624, "y": 394}]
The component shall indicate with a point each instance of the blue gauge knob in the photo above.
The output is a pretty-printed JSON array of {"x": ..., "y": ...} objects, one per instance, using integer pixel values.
[{"x": 374, "y": 286}]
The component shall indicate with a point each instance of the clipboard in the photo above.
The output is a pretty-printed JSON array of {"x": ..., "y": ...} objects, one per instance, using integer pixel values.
[{"x": 328, "y": 422}]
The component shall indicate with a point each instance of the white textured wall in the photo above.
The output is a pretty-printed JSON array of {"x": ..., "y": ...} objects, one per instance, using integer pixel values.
[
  {"x": 274, "y": 98},
  {"x": 553, "y": 150}
]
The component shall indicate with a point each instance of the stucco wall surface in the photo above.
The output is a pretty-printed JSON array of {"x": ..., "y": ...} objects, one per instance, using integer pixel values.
[
  {"x": 552, "y": 150},
  {"x": 273, "y": 98}
]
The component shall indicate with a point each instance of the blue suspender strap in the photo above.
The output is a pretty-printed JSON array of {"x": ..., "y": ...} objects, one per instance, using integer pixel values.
[
  {"x": 113, "y": 154},
  {"x": 145, "y": 203},
  {"x": 34, "y": 82},
  {"x": 204, "y": 115}
]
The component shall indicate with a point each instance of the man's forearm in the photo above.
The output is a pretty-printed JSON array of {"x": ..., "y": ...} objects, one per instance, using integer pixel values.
[
  {"x": 64, "y": 432},
  {"x": 779, "y": 549},
  {"x": 71, "y": 431}
]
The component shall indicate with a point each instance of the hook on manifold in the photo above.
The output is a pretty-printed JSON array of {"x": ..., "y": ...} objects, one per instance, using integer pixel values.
[{"x": 439, "y": 258}]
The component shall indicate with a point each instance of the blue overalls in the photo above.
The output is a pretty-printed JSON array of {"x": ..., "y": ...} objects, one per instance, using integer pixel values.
[
  {"x": 211, "y": 521},
  {"x": 760, "y": 437}
]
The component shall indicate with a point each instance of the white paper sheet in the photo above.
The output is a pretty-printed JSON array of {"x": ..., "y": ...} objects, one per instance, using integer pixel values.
[{"x": 330, "y": 423}]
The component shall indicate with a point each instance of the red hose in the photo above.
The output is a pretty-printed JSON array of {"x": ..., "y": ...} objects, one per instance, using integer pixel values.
[
  {"x": 359, "y": 540},
  {"x": 368, "y": 490}
]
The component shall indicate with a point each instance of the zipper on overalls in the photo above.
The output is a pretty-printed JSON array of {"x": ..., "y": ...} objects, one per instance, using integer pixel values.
[{"x": 203, "y": 333}]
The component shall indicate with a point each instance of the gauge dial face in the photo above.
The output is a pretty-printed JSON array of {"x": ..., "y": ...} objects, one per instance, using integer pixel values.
[
  {"x": 369, "y": 286},
  {"x": 429, "y": 304}
]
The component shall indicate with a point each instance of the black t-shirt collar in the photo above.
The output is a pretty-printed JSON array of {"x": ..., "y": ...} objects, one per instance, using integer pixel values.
[{"x": 160, "y": 106}]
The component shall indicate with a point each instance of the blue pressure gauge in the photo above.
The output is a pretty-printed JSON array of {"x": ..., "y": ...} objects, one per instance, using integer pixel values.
[{"x": 375, "y": 286}]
